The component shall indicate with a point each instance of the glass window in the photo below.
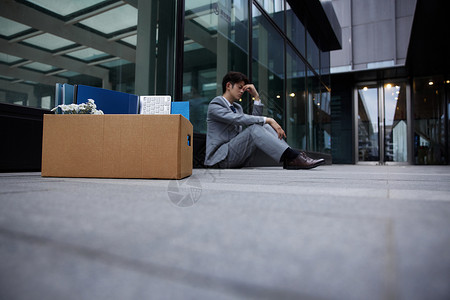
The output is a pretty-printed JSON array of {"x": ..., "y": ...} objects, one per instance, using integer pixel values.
[
  {"x": 215, "y": 42},
  {"x": 430, "y": 107},
  {"x": 8, "y": 59},
  {"x": 295, "y": 30},
  {"x": 268, "y": 66},
  {"x": 65, "y": 7},
  {"x": 88, "y": 54},
  {"x": 325, "y": 67},
  {"x": 48, "y": 41},
  {"x": 97, "y": 47},
  {"x": 275, "y": 9},
  {"x": 319, "y": 118},
  {"x": 10, "y": 28},
  {"x": 124, "y": 17},
  {"x": 295, "y": 100},
  {"x": 312, "y": 53}
]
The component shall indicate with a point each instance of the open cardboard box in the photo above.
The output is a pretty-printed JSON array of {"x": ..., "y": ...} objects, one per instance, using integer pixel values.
[{"x": 117, "y": 146}]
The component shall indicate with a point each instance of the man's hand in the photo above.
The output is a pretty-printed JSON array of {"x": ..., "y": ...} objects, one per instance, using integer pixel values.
[
  {"x": 276, "y": 127},
  {"x": 250, "y": 88}
]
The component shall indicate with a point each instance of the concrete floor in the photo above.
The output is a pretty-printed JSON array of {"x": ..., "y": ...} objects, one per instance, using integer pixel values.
[{"x": 335, "y": 232}]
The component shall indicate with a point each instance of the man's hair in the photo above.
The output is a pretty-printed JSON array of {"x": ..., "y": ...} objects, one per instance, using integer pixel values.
[{"x": 233, "y": 77}]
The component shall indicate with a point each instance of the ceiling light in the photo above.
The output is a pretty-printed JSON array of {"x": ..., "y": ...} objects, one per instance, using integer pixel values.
[
  {"x": 430, "y": 83},
  {"x": 388, "y": 86},
  {"x": 365, "y": 88}
]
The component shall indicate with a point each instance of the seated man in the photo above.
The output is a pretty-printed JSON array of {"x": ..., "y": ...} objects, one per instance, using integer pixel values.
[{"x": 228, "y": 145}]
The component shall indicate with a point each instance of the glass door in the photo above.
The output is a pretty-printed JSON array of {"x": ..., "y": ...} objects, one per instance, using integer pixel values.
[
  {"x": 368, "y": 124},
  {"x": 382, "y": 129},
  {"x": 395, "y": 126}
]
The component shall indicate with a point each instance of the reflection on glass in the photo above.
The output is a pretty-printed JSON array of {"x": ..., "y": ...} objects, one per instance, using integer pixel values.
[
  {"x": 124, "y": 17},
  {"x": 87, "y": 54},
  {"x": 132, "y": 40},
  {"x": 65, "y": 7},
  {"x": 80, "y": 54},
  {"x": 368, "y": 134},
  {"x": 430, "y": 106},
  {"x": 395, "y": 129},
  {"x": 295, "y": 30},
  {"x": 319, "y": 116},
  {"x": 312, "y": 53},
  {"x": 5, "y": 58},
  {"x": 268, "y": 66},
  {"x": 48, "y": 41},
  {"x": 9, "y": 27},
  {"x": 275, "y": 9},
  {"x": 215, "y": 42},
  {"x": 40, "y": 67},
  {"x": 295, "y": 101}
]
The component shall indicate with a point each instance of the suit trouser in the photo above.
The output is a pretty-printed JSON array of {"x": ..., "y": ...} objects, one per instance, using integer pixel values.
[{"x": 251, "y": 139}]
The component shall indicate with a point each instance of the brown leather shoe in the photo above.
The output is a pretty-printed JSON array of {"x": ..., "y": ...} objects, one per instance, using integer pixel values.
[{"x": 302, "y": 161}]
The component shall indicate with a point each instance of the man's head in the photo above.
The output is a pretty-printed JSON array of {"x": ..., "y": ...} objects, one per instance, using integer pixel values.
[{"x": 233, "y": 77}]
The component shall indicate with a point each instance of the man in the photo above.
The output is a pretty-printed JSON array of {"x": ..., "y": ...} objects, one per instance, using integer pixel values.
[{"x": 228, "y": 145}]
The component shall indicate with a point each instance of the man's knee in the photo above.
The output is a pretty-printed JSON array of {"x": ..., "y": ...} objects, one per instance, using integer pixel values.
[{"x": 257, "y": 131}]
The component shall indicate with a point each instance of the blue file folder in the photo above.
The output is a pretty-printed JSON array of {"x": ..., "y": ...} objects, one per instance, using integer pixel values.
[
  {"x": 110, "y": 102},
  {"x": 59, "y": 94},
  {"x": 181, "y": 107},
  {"x": 67, "y": 94}
]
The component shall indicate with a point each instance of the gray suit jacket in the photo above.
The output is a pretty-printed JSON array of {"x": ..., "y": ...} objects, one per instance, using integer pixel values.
[{"x": 223, "y": 125}]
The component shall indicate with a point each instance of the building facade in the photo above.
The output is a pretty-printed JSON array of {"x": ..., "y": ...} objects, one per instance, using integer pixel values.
[
  {"x": 177, "y": 48},
  {"x": 390, "y": 101},
  {"x": 345, "y": 78}
]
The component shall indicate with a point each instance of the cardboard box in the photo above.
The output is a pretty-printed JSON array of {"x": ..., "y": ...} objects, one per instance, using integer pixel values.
[{"x": 117, "y": 146}]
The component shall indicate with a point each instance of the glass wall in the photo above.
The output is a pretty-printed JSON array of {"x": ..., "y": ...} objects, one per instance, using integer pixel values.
[
  {"x": 296, "y": 109},
  {"x": 431, "y": 115},
  {"x": 275, "y": 9},
  {"x": 81, "y": 42},
  {"x": 268, "y": 66},
  {"x": 319, "y": 116},
  {"x": 98, "y": 42},
  {"x": 295, "y": 31},
  {"x": 215, "y": 42},
  {"x": 277, "y": 53}
]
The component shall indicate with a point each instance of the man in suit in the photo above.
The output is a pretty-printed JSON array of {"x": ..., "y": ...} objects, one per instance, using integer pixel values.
[{"x": 233, "y": 137}]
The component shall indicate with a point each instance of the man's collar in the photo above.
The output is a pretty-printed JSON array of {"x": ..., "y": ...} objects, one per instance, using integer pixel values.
[{"x": 229, "y": 102}]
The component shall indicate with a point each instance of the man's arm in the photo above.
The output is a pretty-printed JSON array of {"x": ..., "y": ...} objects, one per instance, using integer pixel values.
[
  {"x": 257, "y": 110},
  {"x": 276, "y": 127},
  {"x": 219, "y": 112}
]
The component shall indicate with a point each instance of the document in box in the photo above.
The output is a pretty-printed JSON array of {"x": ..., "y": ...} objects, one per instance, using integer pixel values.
[{"x": 155, "y": 105}]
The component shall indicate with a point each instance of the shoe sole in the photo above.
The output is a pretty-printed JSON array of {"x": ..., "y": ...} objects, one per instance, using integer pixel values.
[{"x": 303, "y": 168}]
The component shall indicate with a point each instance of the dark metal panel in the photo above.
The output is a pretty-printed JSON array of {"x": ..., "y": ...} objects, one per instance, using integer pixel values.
[
  {"x": 429, "y": 46},
  {"x": 320, "y": 19},
  {"x": 21, "y": 138}
]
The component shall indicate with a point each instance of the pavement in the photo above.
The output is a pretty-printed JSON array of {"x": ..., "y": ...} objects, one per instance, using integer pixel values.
[{"x": 334, "y": 232}]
